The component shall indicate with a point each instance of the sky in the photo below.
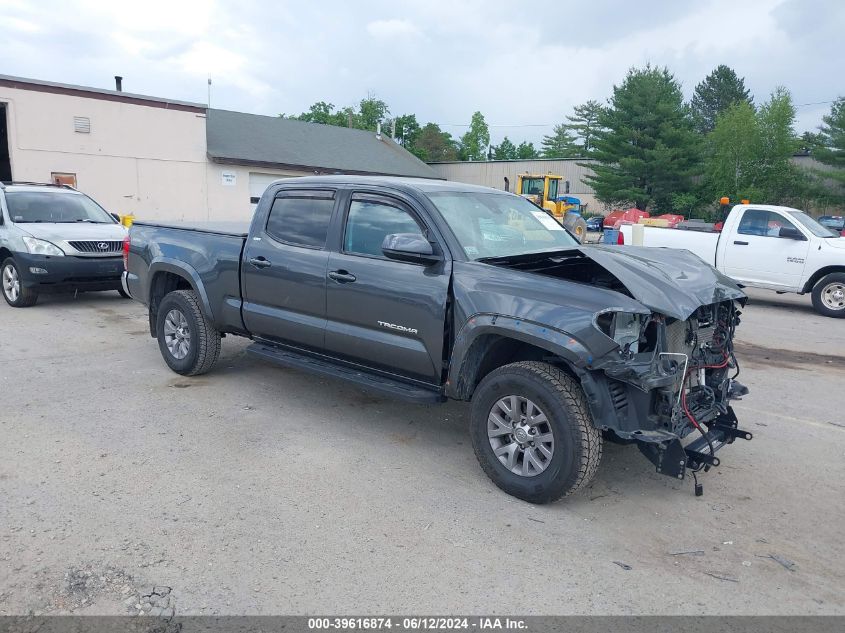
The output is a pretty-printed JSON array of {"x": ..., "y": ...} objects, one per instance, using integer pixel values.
[{"x": 523, "y": 65}]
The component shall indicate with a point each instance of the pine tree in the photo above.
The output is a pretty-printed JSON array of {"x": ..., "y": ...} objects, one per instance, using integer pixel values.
[
  {"x": 720, "y": 90},
  {"x": 645, "y": 149},
  {"x": 584, "y": 122},
  {"x": 526, "y": 150},
  {"x": 506, "y": 150},
  {"x": 831, "y": 141},
  {"x": 559, "y": 144}
]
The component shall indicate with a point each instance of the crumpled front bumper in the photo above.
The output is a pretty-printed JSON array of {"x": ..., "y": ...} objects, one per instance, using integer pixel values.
[{"x": 672, "y": 458}]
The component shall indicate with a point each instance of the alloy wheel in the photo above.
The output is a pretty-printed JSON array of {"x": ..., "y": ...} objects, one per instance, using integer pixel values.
[
  {"x": 520, "y": 435},
  {"x": 177, "y": 334},
  {"x": 833, "y": 296},
  {"x": 11, "y": 283}
]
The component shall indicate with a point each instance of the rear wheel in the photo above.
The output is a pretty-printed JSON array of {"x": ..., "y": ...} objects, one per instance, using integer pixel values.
[
  {"x": 532, "y": 432},
  {"x": 14, "y": 292},
  {"x": 188, "y": 341},
  {"x": 829, "y": 295}
]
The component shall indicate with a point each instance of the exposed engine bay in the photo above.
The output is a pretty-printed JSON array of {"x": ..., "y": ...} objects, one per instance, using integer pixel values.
[{"x": 668, "y": 377}]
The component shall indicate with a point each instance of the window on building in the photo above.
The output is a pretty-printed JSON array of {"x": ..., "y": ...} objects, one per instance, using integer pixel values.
[
  {"x": 302, "y": 221},
  {"x": 63, "y": 178},
  {"x": 369, "y": 222}
]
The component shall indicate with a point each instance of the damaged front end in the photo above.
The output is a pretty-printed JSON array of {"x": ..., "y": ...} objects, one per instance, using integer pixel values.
[{"x": 669, "y": 378}]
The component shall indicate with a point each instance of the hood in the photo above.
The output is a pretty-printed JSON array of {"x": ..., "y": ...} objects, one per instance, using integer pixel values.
[
  {"x": 670, "y": 281},
  {"x": 64, "y": 232},
  {"x": 834, "y": 242}
]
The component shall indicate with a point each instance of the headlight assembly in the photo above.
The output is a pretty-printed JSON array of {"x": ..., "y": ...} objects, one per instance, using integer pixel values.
[
  {"x": 41, "y": 247},
  {"x": 623, "y": 327}
]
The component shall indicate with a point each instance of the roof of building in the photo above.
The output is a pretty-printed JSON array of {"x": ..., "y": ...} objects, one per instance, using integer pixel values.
[
  {"x": 252, "y": 139},
  {"x": 24, "y": 83}
]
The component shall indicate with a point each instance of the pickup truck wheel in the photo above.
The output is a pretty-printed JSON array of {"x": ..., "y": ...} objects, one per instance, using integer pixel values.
[
  {"x": 532, "y": 432},
  {"x": 829, "y": 295},
  {"x": 188, "y": 341},
  {"x": 14, "y": 292}
]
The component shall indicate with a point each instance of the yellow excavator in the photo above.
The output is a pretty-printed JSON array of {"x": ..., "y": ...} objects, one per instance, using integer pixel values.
[{"x": 544, "y": 190}]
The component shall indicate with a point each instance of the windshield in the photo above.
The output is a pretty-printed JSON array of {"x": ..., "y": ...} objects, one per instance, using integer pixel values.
[
  {"x": 499, "y": 224},
  {"x": 810, "y": 224},
  {"x": 59, "y": 207}
]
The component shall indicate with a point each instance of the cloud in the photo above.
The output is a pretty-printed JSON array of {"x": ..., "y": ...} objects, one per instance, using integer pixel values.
[
  {"x": 390, "y": 29},
  {"x": 440, "y": 59}
]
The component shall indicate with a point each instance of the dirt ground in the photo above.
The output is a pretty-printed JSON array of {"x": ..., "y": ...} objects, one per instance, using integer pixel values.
[{"x": 259, "y": 490}]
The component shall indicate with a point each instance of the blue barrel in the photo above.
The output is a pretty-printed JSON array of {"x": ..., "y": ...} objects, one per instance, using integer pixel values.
[{"x": 611, "y": 236}]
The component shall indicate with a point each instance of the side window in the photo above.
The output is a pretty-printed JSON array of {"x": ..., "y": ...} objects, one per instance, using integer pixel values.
[
  {"x": 300, "y": 221},
  {"x": 763, "y": 223},
  {"x": 369, "y": 222}
]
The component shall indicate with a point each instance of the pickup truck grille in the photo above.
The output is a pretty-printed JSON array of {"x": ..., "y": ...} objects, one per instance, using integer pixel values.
[{"x": 101, "y": 247}]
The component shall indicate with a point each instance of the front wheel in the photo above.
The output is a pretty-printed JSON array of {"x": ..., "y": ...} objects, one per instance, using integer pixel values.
[
  {"x": 532, "y": 432},
  {"x": 829, "y": 295},
  {"x": 14, "y": 292},
  {"x": 188, "y": 341}
]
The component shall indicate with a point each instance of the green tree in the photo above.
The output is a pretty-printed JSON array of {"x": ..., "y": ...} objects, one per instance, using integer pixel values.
[
  {"x": 322, "y": 112},
  {"x": 559, "y": 144},
  {"x": 407, "y": 132},
  {"x": 526, "y": 151},
  {"x": 720, "y": 90},
  {"x": 371, "y": 112},
  {"x": 584, "y": 122},
  {"x": 749, "y": 154},
  {"x": 435, "y": 145},
  {"x": 476, "y": 140},
  {"x": 505, "y": 150},
  {"x": 645, "y": 149},
  {"x": 732, "y": 154},
  {"x": 831, "y": 141}
]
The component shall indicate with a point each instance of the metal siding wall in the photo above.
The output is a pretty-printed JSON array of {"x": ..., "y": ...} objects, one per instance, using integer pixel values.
[{"x": 492, "y": 174}]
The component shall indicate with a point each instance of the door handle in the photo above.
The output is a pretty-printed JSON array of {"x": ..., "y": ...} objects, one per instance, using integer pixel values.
[
  {"x": 260, "y": 262},
  {"x": 738, "y": 243},
  {"x": 342, "y": 276}
]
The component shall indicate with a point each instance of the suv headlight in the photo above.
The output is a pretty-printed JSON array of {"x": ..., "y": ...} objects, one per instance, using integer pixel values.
[
  {"x": 41, "y": 247},
  {"x": 622, "y": 327}
]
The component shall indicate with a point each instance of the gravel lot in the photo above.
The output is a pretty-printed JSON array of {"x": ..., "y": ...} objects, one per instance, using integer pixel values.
[{"x": 258, "y": 490}]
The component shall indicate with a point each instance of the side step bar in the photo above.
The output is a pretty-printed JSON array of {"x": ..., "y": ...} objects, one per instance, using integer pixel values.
[{"x": 381, "y": 385}]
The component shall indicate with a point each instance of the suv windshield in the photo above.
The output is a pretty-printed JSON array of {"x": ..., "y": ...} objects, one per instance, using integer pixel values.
[
  {"x": 499, "y": 224},
  {"x": 810, "y": 224},
  {"x": 59, "y": 207}
]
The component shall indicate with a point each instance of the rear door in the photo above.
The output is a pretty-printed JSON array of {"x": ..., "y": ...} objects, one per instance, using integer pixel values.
[
  {"x": 386, "y": 314},
  {"x": 284, "y": 269},
  {"x": 757, "y": 255}
]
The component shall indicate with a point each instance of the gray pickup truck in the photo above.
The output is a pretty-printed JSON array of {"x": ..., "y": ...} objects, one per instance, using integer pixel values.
[{"x": 428, "y": 290}]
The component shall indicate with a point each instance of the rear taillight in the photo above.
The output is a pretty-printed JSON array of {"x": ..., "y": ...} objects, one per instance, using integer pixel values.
[
  {"x": 126, "y": 253},
  {"x": 620, "y": 241}
]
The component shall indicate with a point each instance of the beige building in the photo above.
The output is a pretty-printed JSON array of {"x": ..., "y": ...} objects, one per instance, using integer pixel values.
[
  {"x": 161, "y": 159},
  {"x": 501, "y": 173}
]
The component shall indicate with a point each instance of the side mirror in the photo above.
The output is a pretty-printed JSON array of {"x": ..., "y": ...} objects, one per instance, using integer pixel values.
[
  {"x": 790, "y": 232},
  {"x": 116, "y": 217},
  {"x": 409, "y": 247}
]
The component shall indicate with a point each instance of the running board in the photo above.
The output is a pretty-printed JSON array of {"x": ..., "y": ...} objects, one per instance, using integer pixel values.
[{"x": 369, "y": 381}]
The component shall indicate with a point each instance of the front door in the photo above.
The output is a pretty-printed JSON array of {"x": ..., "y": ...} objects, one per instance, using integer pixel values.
[
  {"x": 284, "y": 270},
  {"x": 757, "y": 255},
  {"x": 386, "y": 314}
]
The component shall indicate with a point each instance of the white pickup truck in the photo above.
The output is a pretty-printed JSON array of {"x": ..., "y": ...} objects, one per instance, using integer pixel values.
[{"x": 764, "y": 246}]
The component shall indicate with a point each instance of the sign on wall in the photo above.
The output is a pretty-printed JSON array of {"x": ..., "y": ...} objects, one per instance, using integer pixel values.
[{"x": 228, "y": 178}]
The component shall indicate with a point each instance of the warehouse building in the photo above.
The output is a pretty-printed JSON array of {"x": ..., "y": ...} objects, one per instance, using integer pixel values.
[
  {"x": 162, "y": 159},
  {"x": 501, "y": 174}
]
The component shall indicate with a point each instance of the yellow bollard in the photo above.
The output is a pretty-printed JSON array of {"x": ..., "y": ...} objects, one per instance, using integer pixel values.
[{"x": 127, "y": 220}]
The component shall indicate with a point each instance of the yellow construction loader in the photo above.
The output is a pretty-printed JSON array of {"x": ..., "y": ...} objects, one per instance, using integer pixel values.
[{"x": 545, "y": 191}]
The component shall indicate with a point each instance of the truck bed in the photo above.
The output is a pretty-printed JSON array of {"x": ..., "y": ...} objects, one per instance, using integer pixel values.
[
  {"x": 208, "y": 254},
  {"x": 700, "y": 243}
]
